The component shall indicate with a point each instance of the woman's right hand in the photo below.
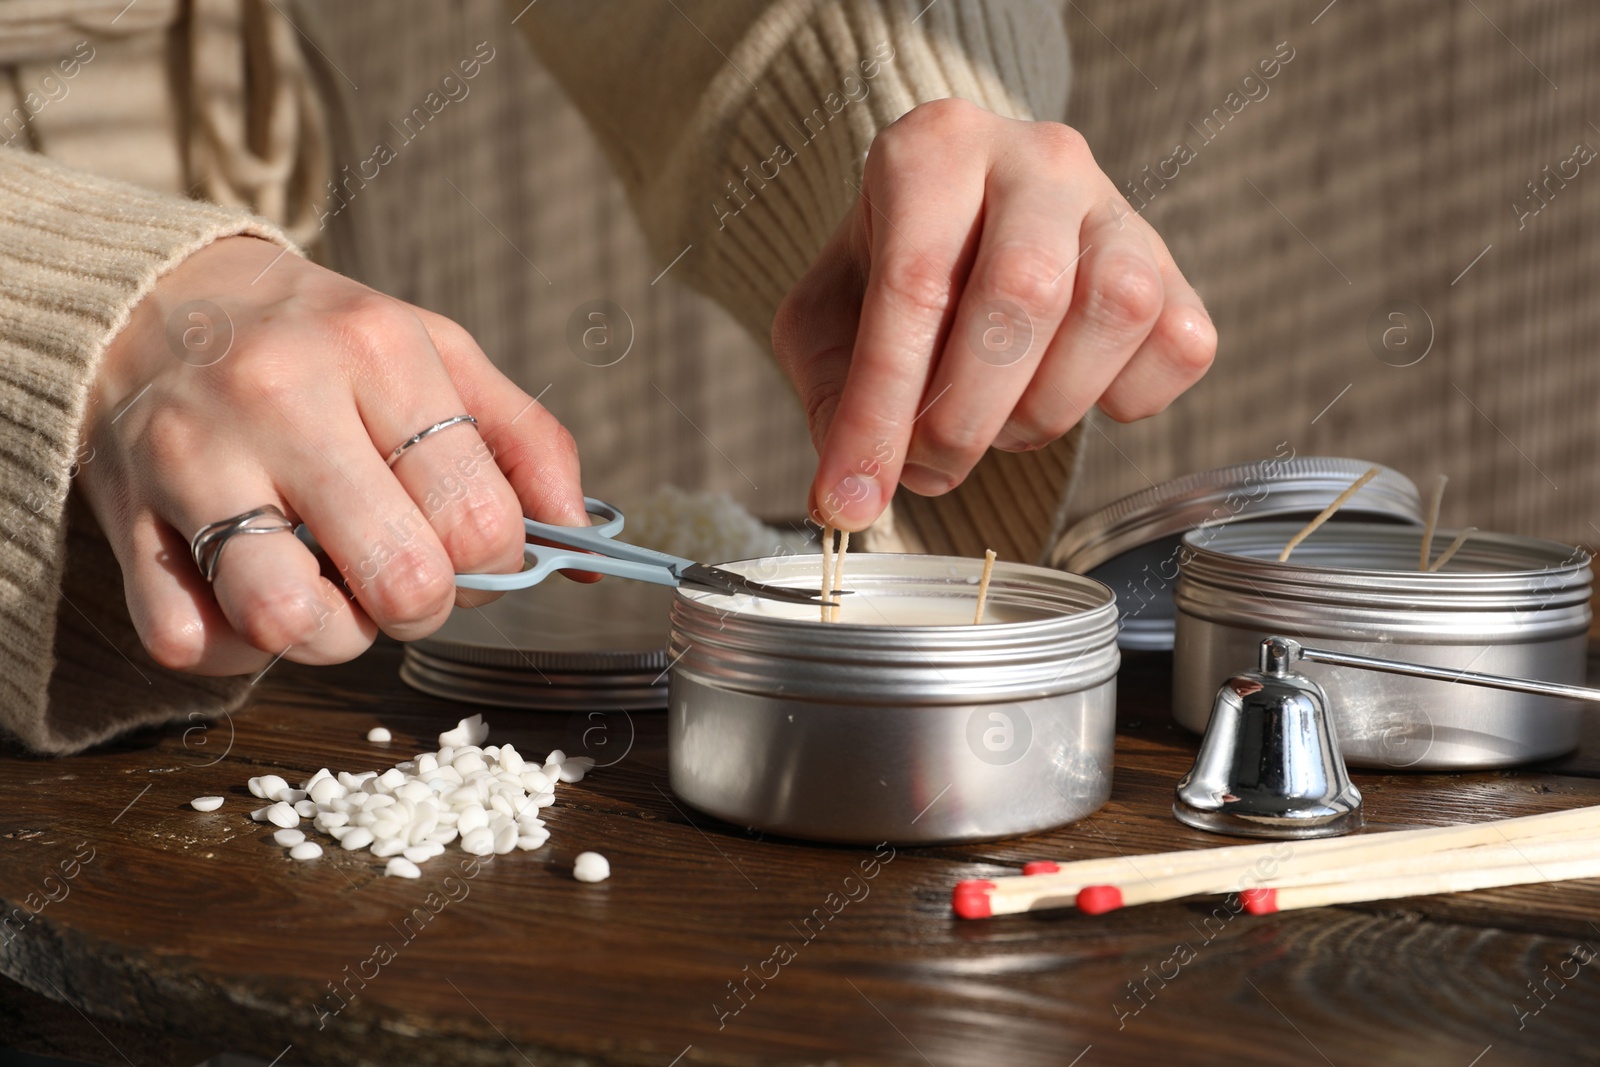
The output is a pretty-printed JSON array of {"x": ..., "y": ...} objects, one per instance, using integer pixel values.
[{"x": 248, "y": 377}]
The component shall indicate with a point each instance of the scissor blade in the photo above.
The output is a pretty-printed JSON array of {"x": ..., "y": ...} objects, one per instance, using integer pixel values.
[{"x": 724, "y": 581}]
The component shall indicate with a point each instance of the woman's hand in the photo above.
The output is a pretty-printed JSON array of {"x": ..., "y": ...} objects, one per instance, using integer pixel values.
[
  {"x": 250, "y": 377},
  {"x": 989, "y": 285}
]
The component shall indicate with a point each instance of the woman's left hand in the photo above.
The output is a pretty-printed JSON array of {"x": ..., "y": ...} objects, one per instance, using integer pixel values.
[{"x": 988, "y": 287}]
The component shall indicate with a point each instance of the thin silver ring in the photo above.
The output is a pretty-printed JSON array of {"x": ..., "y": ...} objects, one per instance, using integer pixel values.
[
  {"x": 400, "y": 449},
  {"x": 206, "y": 546}
]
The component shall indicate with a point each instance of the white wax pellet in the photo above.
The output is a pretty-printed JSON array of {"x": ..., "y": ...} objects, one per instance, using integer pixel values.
[
  {"x": 327, "y": 820},
  {"x": 386, "y": 828},
  {"x": 305, "y": 808},
  {"x": 443, "y": 835},
  {"x": 378, "y": 800},
  {"x": 469, "y": 763},
  {"x": 572, "y": 770},
  {"x": 379, "y": 734},
  {"x": 505, "y": 839},
  {"x": 427, "y": 763},
  {"x": 326, "y": 790},
  {"x": 339, "y": 833},
  {"x": 206, "y": 803},
  {"x": 591, "y": 867},
  {"x": 535, "y": 781},
  {"x": 532, "y": 839},
  {"x": 502, "y": 805},
  {"x": 281, "y": 814},
  {"x": 290, "y": 795},
  {"x": 422, "y": 853},
  {"x": 288, "y": 838},
  {"x": 400, "y": 867},
  {"x": 471, "y": 819},
  {"x": 511, "y": 760},
  {"x": 270, "y": 785},
  {"x": 315, "y": 778},
  {"x": 360, "y": 837},
  {"x": 544, "y": 800},
  {"x": 388, "y": 846},
  {"x": 305, "y": 850},
  {"x": 479, "y": 842},
  {"x": 363, "y": 818},
  {"x": 555, "y": 759},
  {"x": 392, "y": 779}
]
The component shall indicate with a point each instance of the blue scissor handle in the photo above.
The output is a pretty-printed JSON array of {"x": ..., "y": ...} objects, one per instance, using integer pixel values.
[
  {"x": 604, "y": 554},
  {"x": 610, "y": 556}
]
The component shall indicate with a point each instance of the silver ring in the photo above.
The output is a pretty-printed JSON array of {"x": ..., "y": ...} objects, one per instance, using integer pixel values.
[
  {"x": 206, "y": 545},
  {"x": 400, "y": 449}
]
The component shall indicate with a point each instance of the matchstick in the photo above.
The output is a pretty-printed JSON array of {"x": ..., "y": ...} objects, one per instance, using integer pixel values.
[
  {"x": 1433, "y": 521},
  {"x": 838, "y": 576},
  {"x": 1058, "y": 884},
  {"x": 1268, "y": 900},
  {"x": 1455, "y": 546},
  {"x": 1331, "y": 867},
  {"x": 1327, "y": 513},
  {"x": 983, "y": 584}
]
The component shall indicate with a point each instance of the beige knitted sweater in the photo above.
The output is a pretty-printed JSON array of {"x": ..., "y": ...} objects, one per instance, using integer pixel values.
[{"x": 686, "y": 98}]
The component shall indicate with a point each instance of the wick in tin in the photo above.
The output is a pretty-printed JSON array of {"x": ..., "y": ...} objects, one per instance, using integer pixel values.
[
  {"x": 1461, "y": 539},
  {"x": 1433, "y": 521},
  {"x": 838, "y": 575},
  {"x": 827, "y": 572},
  {"x": 1327, "y": 513},
  {"x": 983, "y": 584}
]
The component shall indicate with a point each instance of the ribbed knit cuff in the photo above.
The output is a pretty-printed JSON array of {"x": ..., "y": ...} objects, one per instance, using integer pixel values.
[
  {"x": 772, "y": 158},
  {"x": 77, "y": 252}
]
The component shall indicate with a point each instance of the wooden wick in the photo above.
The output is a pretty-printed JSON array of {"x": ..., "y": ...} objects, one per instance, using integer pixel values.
[
  {"x": 1461, "y": 539},
  {"x": 1327, "y": 513},
  {"x": 838, "y": 575},
  {"x": 1433, "y": 521},
  {"x": 827, "y": 572},
  {"x": 983, "y": 584}
]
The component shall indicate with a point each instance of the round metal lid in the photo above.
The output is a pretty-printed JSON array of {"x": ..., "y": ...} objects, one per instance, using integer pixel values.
[
  {"x": 560, "y": 645},
  {"x": 1132, "y": 545}
]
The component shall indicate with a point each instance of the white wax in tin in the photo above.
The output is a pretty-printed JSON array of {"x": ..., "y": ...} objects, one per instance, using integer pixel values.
[{"x": 865, "y": 608}]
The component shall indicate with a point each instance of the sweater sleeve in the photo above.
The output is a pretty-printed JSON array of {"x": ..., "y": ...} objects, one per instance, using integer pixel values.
[
  {"x": 77, "y": 252},
  {"x": 740, "y": 129}
]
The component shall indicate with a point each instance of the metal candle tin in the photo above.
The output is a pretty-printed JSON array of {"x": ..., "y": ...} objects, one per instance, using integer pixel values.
[
  {"x": 1132, "y": 543},
  {"x": 1503, "y": 605},
  {"x": 870, "y": 730}
]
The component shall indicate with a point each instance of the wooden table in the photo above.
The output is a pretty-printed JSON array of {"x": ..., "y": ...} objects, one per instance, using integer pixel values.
[{"x": 188, "y": 933}]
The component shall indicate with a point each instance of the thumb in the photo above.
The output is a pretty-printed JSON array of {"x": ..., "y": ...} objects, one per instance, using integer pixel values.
[{"x": 814, "y": 330}]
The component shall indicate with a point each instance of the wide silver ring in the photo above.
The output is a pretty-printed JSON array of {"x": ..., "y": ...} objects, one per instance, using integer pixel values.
[
  {"x": 400, "y": 449},
  {"x": 206, "y": 545}
]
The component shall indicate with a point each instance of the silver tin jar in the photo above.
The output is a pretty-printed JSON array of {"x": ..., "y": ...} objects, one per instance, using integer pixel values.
[
  {"x": 871, "y": 730},
  {"x": 1132, "y": 544},
  {"x": 1503, "y": 605}
]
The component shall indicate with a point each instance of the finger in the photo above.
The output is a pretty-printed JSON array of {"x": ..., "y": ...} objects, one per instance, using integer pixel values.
[
  {"x": 269, "y": 587},
  {"x": 1178, "y": 352},
  {"x": 1014, "y": 300},
  {"x": 536, "y": 454},
  {"x": 1117, "y": 296},
  {"x": 172, "y": 608},
  {"x": 921, "y": 222},
  {"x": 451, "y": 473},
  {"x": 815, "y": 328}
]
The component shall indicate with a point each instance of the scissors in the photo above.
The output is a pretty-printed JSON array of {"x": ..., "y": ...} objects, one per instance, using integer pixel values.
[{"x": 597, "y": 550}]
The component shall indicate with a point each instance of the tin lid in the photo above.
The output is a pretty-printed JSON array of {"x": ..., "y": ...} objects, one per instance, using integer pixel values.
[
  {"x": 1132, "y": 545},
  {"x": 560, "y": 645}
]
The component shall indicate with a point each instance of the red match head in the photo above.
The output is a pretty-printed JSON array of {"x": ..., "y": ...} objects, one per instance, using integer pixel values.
[
  {"x": 970, "y": 900},
  {"x": 1041, "y": 867},
  {"x": 1260, "y": 901},
  {"x": 1099, "y": 899}
]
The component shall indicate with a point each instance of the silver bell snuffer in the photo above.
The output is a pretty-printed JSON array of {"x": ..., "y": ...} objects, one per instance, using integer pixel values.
[{"x": 1269, "y": 764}]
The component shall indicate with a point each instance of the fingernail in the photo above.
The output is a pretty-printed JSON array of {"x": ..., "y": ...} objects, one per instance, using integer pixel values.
[
  {"x": 925, "y": 481},
  {"x": 1006, "y": 441},
  {"x": 855, "y": 501}
]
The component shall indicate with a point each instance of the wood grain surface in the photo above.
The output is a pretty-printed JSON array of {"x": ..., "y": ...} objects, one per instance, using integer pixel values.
[{"x": 179, "y": 933}]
